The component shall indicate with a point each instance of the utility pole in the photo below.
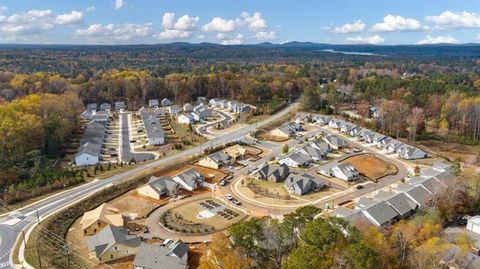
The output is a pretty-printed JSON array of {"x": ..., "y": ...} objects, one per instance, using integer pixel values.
[
  {"x": 24, "y": 241},
  {"x": 67, "y": 253},
  {"x": 39, "y": 260},
  {"x": 38, "y": 216}
]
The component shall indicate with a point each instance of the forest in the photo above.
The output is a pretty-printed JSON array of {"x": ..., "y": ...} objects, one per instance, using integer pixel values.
[{"x": 44, "y": 89}]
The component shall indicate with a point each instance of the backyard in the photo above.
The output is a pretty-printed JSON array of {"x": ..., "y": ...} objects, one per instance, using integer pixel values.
[{"x": 371, "y": 166}]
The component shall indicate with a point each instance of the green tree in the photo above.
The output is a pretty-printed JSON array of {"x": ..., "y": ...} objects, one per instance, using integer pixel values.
[
  {"x": 285, "y": 148},
  {"x": 305, "y": 256},
  {"x": 362, "y": 256}
]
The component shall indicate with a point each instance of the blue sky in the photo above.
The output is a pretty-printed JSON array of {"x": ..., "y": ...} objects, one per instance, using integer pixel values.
[{"x": 240, "y": 21}]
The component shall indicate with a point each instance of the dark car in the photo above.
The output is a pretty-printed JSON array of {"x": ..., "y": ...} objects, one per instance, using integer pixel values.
[
  {"x": 359, "y": 187},
  {"x": 462, "y": 220}
]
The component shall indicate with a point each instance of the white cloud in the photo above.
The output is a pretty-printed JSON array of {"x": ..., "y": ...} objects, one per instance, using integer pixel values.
[
  {"x": 451, "y": 19},
  {"x": 255, "y": 22},
  {"x": 174, "y": 34},
  {"x": 219, "y": 24},
  {"x": 119, "y": 4},
  {"x": 267, "y": 35},
  {"x": 72, "y": 18},
  {"x": 90, "y": 8},
  {"x": 393, "y": 23},
  {"x": 227, "y": 40},
  {"x": 355, "y": 27},
  {"x": 182, "y": 28},
  {"x": 201, "y": 36},
  {"x": 115, "y": 32},
  {"x": 374, "y": 40},
  {"x": 438, "y": 40}
]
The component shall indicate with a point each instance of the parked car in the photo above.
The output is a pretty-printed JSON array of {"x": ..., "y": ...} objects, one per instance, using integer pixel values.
[
  {"x": 228, "y": 196},
  {"x": 167, "y": 241},
  {"x": 235, "y": 201},
  {"x": 223, "y": 182},
  {"x": 359, "y": 187},
  {"x": 356, "y": 150},
  {"x": 462, "y": 220},
  {"x": 228, "y": 177}
]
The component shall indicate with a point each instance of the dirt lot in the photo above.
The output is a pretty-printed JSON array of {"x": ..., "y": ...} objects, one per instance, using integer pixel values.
[
  {"x": 195, "y": 253},
  {"x": 269, "y": 137},
  {"x": 211, "y": 175},
  {"x": 469, "y": 154},
  {"x": 371, "y": 167},
  {"x": 134, "y": 204}
]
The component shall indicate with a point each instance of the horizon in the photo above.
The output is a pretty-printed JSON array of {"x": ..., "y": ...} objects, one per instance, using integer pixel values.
[{"x": 139, "y": 22}]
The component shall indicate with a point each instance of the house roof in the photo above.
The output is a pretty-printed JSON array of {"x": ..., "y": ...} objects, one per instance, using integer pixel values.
[
  {"x": 153, "y": 128},
  {"x": 189, "y": 177},
  {"x": 347, "y": 169},
  {"x": 335, "y": 140},
  {"x": 304, "y": 182},
  {"x": 105, "y": 213},
  {"x": 163, "y": 185},
  {"x": 419, "y": 194},
  {"x": 220, "y": 157},
  {"x": 381, "y": 212},
  {"x": 153, "y": 256},
  {"x": 312, "y": 152},
  {"x": 321, "y": 145},
  {"x": 277, "y": 171},
  {"x": 298, "y": 157},
  {"x": 109, "y": 237},
  {"x": 402, "y": 204}
]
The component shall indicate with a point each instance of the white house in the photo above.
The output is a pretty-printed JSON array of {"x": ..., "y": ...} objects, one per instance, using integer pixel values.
[
  {"x": 295, "y": 160},
  {"x": 88, "y": 154},
  {"x": 166, "y": 102},
  {"x": 153, "y": 103},
  {"x": 185, "y": 119},
  {"x": 187, "y": 107},
  {"x": 345, "y": 171},
  {"x": 473, "y": 224}
]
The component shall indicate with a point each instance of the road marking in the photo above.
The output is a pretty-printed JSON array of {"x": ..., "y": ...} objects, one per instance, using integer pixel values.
[
  {"x": 5, "y": 265},
  {"x": 11, "y": 222}
]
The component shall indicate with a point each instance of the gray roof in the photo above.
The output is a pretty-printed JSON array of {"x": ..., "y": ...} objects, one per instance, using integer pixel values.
[
  {"x": 157, "y": 256},
  {"x": 336, "y": 141},
  {"x": 92, "y": 140},
  {"x": 321, "y": 145},
  {"x": 402, "y": 204},
  {"x": 290, "y": 128},
  {"x": 381, "y": 212},
  {"x": 312, "y": 152},
  {"x": 190, "y": 177},
  {"x": 153, "y": 128},
  {"x": 303, "y": 182},
  {"x": 419, "y": 194},
  {"x": 166, "y": 102},
  {"x": 348, "y": 169},
  {"x": 277, "y": 171},
  {"x": 220, "y": 157},
  {"x": 109, "y": 237},
  {"x": 298, "y": 157},
  {"x": 163, "y": 185}
]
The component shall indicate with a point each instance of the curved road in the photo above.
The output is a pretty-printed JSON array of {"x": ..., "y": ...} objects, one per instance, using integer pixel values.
[
  {"x": 203, "y": 129},
  {"x": 56, "y": 202}
]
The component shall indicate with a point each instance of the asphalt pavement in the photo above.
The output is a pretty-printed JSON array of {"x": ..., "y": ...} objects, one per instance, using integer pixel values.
[{"x": 125, "y": 150}]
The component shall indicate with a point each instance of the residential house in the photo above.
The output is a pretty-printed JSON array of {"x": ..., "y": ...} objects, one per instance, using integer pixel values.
[
  {"x": 87, "y": 114},
  {"x": 381, "y": 214},
  {"x": 345, "y": 171},
  {"x": 153, "y": 103},
  {"x": 119, "y": 106},
  {"x": 158, "y": 187},
  {"x": 187, "y": 107},
  {"x": 112, "y": 243},
  {"x": 152, "y": 126},
  {"x": 95, "y": 220},
  {"x": 295, "y": 159},
  {"x": 473, "y": 224},
  {"x": 353, "y": 216},
  {"x": 202, "y": 100},
  {"x": 412, "y": 153},
  {"x": 186, "y": 118},
  {"x": 314, "y": 153},
  {"x": 190, "y": 179},
  {"x": 322, "y": 120},
  {"x": 287, "y": 130},
  {"x": 158, "y": 256},
  {"x": 301, "y": 184},
  {"x": 174, "y": 110},
  {"x": 302, "y": 117},
  {"x": 404, "y": 205},
  {"x": 105, "y": 107},
  {"x": 355, "y": 131},
  {"x": 90, "y": 149},
  {"x": 214, "y": 102},
  {"x": 322, "y": 146},
  {"x": 347, "y": 127},
  {"x": 92, "y": 106},
  {"x": 166, "y": 102},
  {"x": 335, "y": 142},
  {"x": 336, "y": 123},
  {"x": 272, "y": 172},
  {"x": 216, "y": 160},
  {"x": 100, "y": 116},
  {"x": 236, "y": 151}
]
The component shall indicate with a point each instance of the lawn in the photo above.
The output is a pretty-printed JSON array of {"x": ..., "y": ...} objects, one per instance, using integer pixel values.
[{"x": 371, "y": 167}]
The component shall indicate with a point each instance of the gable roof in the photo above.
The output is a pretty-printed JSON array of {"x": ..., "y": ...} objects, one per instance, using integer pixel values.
[
  {"x": 153, "y": 256},
  {"x": 189, "y": 177},
  {"x": 381, "y": 212},
  {"x": 277, "y": 171},
  {"x": 298, "y": 157},
  {"x": 105, "y": 213},
  {"x": 402, "y": 204},
  {"x": 163, "y": 185},
  {"x": 109, "y": 237},
  {"x": 335, "y": 141},
  {"x": 220, "y": 157}
]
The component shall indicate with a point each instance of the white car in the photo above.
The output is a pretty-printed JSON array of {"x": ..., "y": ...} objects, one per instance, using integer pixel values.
[
  {"x": 167, "y": 241},
  {"x": 228, "y": 196}
]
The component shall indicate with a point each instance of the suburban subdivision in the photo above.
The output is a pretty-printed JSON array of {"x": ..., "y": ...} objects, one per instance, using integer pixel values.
[{"x": 118, "y": 152}]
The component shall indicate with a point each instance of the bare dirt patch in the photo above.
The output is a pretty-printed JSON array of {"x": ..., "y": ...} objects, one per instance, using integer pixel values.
[
  {"x": 274, "y": 138},
  {"x": 371, "y": 167},
  {"x": 469, "y": 154},
  {"x": 135, "y": 204},
  {"x": 211, "y": 175}
]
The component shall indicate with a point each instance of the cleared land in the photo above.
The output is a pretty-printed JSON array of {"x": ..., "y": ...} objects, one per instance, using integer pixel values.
[
  {"x": 371, "y": 167},
  {"x": 469, "y": 154}
]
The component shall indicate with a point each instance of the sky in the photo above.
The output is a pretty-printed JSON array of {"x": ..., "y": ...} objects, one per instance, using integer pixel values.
[{"x": 231, "y": 22}]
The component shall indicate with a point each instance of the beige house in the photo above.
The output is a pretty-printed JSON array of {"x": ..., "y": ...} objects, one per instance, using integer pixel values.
[
  {"x": 235, "y": 151},
  {"x": 216, "y": 160},
  {"x": 112, "y": 243},
  {"x": 156, "y": 187},
  {"x": 94, "y": 221}
]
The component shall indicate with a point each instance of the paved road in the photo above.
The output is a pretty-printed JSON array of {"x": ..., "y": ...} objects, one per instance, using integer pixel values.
[
  {"x": 55, "y": 202},
  {"x": 203, "y": 129},
  {"x": 125, "y": 149}
]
